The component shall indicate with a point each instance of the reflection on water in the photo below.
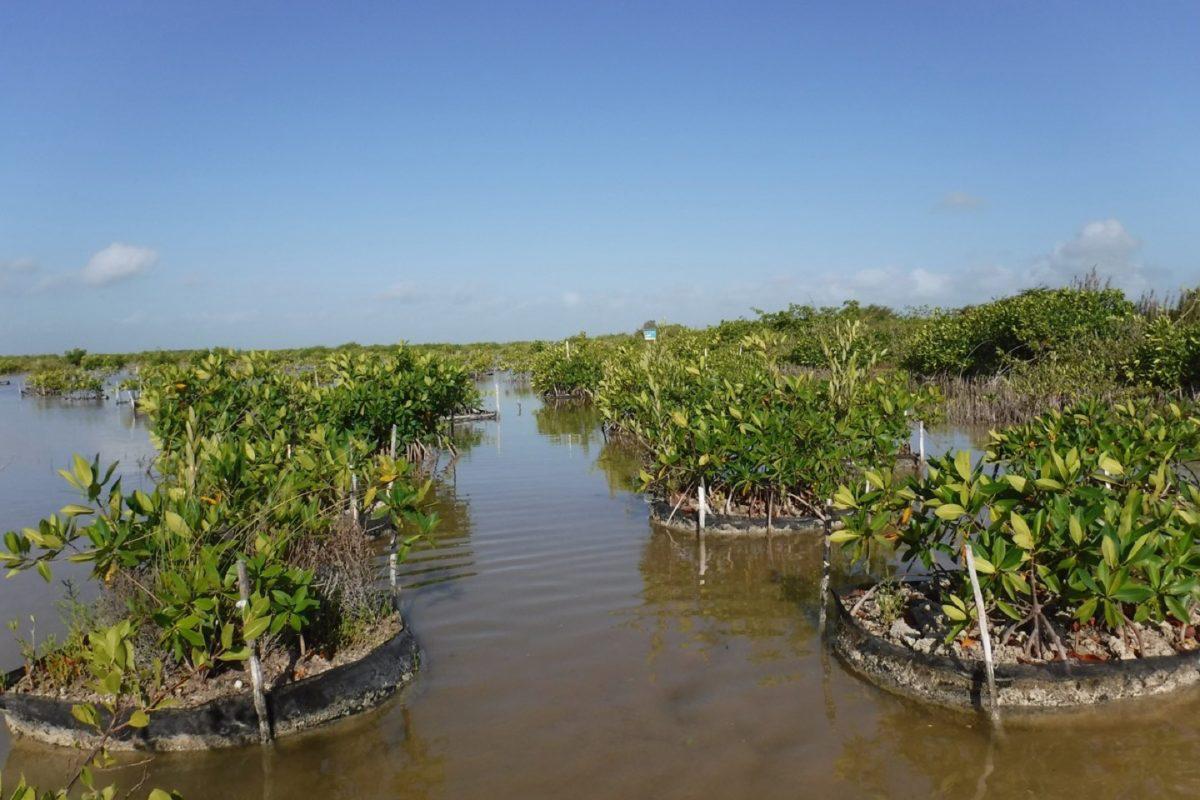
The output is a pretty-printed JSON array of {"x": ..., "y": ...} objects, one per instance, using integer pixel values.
[
  {"x": 570, "y": 647},
  {"x": 571, "y": 422},
  {"x": 712, "y": 588}
]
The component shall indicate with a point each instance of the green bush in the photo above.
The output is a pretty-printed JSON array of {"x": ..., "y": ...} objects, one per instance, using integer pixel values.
[
  {"x": 755, "y": 435},
  {"x": 573, "y": 368},
  {"x": 64, "y": 382},
  {"x": 1089, "y": 514},
  {"x": 985, "y": 339},
  {"x": 1167, "y": 355}
]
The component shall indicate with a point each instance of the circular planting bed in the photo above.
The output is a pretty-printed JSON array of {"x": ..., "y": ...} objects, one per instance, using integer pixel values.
[
  {"x": 665, "y": 514},
  {"x": 229, "y": 720},
  {"x": 906, "y": 655}
]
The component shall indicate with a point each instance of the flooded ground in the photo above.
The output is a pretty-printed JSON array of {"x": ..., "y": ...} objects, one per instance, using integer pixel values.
[{"x": 570, "y": 648}]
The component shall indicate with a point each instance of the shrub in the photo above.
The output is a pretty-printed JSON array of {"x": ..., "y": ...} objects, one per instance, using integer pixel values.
[
  {"x": 64, "y": 382},
  {"x": 1089, "y": 514},
  {"x": 985, "y": 339},
  {"x": 574, "y": 368},
  {"x": 1167, "y": 355},
  {"x": 752, "y": 433}
]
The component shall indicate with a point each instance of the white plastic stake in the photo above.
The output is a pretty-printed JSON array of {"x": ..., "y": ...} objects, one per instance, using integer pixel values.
[
  {"x": 984, "y": 638},
  {"x": 392, "y": 448},
  {"x": 921, "y": 439},
  {"x": 700, "y": 494},
  {"x": 256, "y": 676}
]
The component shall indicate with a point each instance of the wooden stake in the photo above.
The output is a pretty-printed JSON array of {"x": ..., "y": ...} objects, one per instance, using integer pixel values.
[
  {"x": 256, "y": 676},
  {"x": 984, "y": 637}
]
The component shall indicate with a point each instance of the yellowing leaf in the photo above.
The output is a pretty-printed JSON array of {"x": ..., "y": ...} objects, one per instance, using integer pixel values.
[
  {"x": 962, "y": 464},
  {"x": 1022, "y": 536},
  {"x": 949, "y": 511}
]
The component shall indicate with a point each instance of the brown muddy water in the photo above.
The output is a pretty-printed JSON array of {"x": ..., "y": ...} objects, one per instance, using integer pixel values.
[{"x": 571, "y": 649}]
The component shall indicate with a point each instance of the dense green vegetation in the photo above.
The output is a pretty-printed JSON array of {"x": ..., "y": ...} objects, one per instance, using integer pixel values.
[
  {"x": 272, "y": 468},
  {"x": 1088, "y": 515},
  {"x": 760, "y": 439},
  {"x": 570, "y": 369},
  {"x": 64, "y": 382}
]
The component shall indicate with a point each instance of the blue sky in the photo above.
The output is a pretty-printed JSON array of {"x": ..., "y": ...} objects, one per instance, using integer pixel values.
[{"x": 263, "y": 175}]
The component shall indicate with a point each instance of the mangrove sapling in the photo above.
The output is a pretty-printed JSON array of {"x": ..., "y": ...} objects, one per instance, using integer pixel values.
[
  {"x": 1085, "y": 515},
  {"x": 774, "y": 443},
  {"x": 229, "y": 490},
  {"x": 567, "y": 371}
]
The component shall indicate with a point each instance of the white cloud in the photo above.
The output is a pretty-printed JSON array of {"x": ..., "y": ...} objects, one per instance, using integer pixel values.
[
  {"x": 1102, "y": 245},
  {"x": 961, "y": 201},
  {"x": 571, "y": 299},
  {"x": 117, "y": 262}
]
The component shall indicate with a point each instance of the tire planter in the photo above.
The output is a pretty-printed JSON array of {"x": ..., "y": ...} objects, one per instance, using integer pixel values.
[
  {"x": 230, "y": 721},
  {"x": 660, "y": 513},
  {"x": 954, "y": 683}
]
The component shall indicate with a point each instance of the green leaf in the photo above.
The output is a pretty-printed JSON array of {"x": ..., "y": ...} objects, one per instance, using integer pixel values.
[
  {"x": 949, "y": 511},
  {"x": 982, "y": 565},
  {"x": 85, "y": 713},
  {"x": 1017, "y": 482},
  {"x": 255, "y": 627},
  {"x": 1076, "y": 528},
  {"x": 76, "y": 510},
  {"x": 1111, "y": 465},
  {"x": 176, "y": 524},
  {"x": 962, "y": 464},
  {"x": 1108, "y": 546},
  {"x": 1022, "y": 536},
  {"x": 83, "y": 472},
  {"x": 1087, "y": 610},
  {"x": 954, "y": 613},
  {"x": 139, "y": 719}
]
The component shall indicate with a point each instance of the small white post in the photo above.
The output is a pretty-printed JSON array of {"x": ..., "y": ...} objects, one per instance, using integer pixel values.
[
  {"x": 921, "y": 439},
  {"x": 392, "y": 447},
  {"x": 568, "y": 349},
  {"x": 700, "y": 494},
  {"x": 354, "y": 498},
  {"x": 984, "y": 638},
  {"x": 256, "y": 676},
  {"x": 496, "y": 384},
  {"x": 392, "y": 564}
]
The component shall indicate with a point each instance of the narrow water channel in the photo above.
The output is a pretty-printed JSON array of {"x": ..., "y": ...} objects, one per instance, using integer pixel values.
[{"x": 570, "y": 649}]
